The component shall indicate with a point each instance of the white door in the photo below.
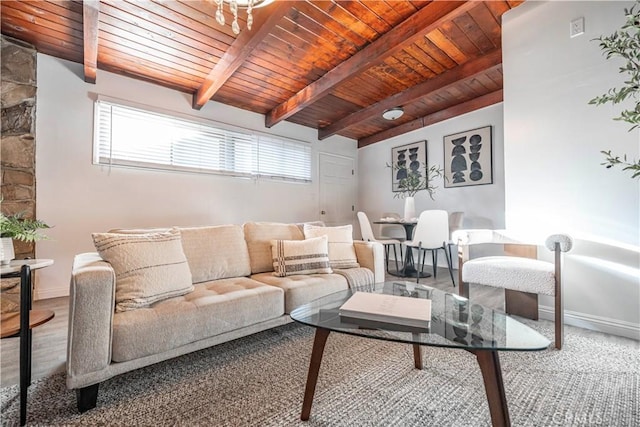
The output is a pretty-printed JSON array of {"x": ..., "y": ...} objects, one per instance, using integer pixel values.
[{"x": 337, "y": 189}]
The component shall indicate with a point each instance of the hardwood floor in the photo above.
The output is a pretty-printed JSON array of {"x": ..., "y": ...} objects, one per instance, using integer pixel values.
[{"x": 49, "y": 345}]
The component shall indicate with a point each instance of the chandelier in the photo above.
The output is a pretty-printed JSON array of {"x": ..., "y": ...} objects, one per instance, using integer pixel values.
[{"x": 234, "y": 5}]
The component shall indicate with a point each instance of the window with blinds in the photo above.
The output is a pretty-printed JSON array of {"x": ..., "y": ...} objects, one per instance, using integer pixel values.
[{"x": 128, "y": 136}]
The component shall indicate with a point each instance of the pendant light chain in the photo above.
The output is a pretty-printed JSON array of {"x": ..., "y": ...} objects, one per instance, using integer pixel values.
[
  {"x": 233, "y": 8},
  {"x": 219, "y": 14}
]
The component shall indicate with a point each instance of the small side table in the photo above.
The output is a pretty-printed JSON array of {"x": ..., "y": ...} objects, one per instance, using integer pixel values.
[{"x": 22, "y": 323}]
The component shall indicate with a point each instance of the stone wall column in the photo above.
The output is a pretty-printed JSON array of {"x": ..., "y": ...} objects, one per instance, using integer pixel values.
[
  {"x": 18, "y": 142},
  {"x": 17, "y": 148}
]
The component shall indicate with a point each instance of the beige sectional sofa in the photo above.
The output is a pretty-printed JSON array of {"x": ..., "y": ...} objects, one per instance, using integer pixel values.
[{"x": 235, "y": 293}]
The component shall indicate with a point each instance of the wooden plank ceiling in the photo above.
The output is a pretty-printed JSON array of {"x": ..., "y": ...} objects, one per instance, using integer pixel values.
[{"x": 334, "y": 65}]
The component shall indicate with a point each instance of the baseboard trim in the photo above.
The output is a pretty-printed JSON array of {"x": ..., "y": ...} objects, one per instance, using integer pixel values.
[
  {"x": 50, "y": 292},
  {"x": 595, "y": 323}
]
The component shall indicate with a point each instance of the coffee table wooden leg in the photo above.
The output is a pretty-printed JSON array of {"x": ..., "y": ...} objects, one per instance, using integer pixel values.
[
  {"x": 494, "y": 387},
  {"x": 417, "y": 356},
  {"x": 314, "y": 368},
  {"x": 417, "y": 352}
]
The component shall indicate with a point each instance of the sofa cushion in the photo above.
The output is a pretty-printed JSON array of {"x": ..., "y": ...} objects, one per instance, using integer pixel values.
[
  {"x": 342, "y": 254},
  {"x": 215, "y": 252},
  {"x": 302, "y": 289},
  {"x": 149, "y": 267},
  {"x": 212, "y": 308},
  {"x": 259, "y": 236},
  {"x": 308, "y": 256}
]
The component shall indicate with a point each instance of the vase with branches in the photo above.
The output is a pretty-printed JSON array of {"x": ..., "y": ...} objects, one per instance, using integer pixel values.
[
  {"x": 624, "y": 44},
  {"x": 413, "y": 180}
]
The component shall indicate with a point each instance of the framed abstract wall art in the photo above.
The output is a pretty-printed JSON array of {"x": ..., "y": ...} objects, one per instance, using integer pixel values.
[
  {"x": 405, "y": 160},
  {"x": 468, "y": 158}
]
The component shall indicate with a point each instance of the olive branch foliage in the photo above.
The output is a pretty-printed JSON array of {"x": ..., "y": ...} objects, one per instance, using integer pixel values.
[
  {"x": 625, "y": 44},
  {"x": 416, "y": 180}
]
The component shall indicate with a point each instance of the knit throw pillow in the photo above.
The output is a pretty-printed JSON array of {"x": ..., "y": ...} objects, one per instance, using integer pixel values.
[
  {"x": 149, "y": 267},
  {"x": 300, "y": 256},
  {"x": 342, "y": 254}
]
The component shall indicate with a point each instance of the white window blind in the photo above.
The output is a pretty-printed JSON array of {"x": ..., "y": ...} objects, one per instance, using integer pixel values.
[{"x": 128, "y": 136}]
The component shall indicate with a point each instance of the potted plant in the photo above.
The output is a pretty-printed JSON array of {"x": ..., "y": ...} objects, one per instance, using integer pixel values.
[
  {"x": 20, "y": 228},
  {"x": 413, "y": 180}
]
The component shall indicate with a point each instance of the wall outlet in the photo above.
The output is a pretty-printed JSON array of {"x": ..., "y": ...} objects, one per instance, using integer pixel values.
[{"x": 577, "y": 27}]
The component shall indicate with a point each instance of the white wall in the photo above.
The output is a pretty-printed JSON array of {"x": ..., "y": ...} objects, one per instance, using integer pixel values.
[
  {"x": 79, "y": 198},
  {"x": 553, "y": 139},
  {"x": 483, "y": 205}
]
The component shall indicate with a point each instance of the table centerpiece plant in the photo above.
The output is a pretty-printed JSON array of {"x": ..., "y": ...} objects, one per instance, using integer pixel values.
[{"x": 412, "y": 180}]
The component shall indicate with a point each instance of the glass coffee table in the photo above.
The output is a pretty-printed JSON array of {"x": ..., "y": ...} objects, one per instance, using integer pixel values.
[{"x": 456, "y": 323}]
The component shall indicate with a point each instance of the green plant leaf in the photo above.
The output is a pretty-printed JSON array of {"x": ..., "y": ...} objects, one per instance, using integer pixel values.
[{"x": 20, "y": 228}]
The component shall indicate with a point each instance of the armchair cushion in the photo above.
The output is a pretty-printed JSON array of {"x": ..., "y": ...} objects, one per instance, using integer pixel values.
[{"x": 516, "y": 273}]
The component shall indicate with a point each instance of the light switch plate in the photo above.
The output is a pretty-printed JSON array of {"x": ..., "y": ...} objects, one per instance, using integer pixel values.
[{"x": 577, "y": 27}]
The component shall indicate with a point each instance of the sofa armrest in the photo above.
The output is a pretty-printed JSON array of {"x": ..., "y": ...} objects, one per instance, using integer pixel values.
[
  {"x": 91, "y": 310},
  {"x": 371, "y": 256}
]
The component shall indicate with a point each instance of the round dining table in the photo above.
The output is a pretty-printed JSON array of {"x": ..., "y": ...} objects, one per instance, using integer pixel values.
[{"x": 408, "y": 266}]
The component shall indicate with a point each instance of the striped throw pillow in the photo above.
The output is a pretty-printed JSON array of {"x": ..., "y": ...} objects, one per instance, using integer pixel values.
[
  {"x": 149, "y": 267},
  {"x": 308, "y": 256}
]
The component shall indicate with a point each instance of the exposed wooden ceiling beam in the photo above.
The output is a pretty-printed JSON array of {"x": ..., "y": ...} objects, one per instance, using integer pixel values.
[
  {"x": 465, "y": 71},
  {"x": 264, "y": 20},
  {"x": 447, "y": 113},
  {"x": 417, "y": 25},
  {"x": 90, "y": 17}
]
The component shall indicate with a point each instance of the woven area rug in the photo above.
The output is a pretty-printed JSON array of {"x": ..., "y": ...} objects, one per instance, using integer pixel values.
[{"x": 259, "y": 381}]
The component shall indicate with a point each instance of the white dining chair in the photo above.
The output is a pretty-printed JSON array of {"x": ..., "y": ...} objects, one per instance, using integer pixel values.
[
  {"x": 367, "y": 235},
  {"x": 431, "y": 234}
]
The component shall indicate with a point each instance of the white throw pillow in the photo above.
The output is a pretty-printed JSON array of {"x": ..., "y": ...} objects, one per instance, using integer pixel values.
[
  {"x": 308, "y": 256},
  {"x": 342, "y": 254},
  {"x": 149, "y": 267}
]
